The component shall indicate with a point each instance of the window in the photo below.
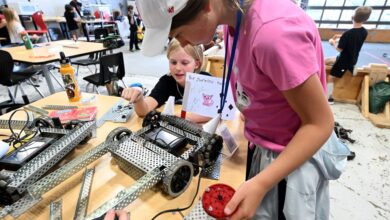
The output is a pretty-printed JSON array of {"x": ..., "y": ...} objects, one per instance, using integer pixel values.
[
  {"x": 375, "y": 15},
  {"x": 338, "y": 13},
  {"x": 347, "y": 15},
  {"x": 334, "y": 3},
  {"x": 386, "y": 15},
  {"x": 331, "y": 15},
  {"x": 353, "y": 2},
  {"x": 317, "y": 2},
  {"x": 375, "y": 2},
  {"x": 314, "y": 14}
]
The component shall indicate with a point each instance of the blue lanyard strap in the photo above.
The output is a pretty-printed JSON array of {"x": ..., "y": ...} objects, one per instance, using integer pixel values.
[{"x": 225, "y": 85}]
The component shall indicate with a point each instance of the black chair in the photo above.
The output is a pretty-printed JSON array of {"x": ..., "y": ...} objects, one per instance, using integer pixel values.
[
  {"x": 55, "y": 34},
  {"x": 12, "y": 75},
  {"x": 112, "y": 68},
  {"x": 93, "y": 59}
]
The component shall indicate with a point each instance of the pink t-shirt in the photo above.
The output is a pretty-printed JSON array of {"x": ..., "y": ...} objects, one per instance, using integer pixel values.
[{"x": 278, "y": 49}]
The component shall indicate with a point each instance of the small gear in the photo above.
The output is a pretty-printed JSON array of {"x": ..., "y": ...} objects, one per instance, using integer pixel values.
[{"x": 178, "y": 178}]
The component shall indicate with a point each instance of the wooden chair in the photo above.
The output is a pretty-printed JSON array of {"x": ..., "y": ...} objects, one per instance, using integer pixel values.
[
  {"x": 214, "y": 65},
  {"x": 377, "y": 72}
]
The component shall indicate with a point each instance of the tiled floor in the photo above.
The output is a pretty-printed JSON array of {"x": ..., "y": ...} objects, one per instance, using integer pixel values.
[{"x": 362, "y": 192}]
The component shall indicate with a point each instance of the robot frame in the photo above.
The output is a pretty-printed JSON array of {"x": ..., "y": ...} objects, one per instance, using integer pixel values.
[{"x": 147, "y": 156}]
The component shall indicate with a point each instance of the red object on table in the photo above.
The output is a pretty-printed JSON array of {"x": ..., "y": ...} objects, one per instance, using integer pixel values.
[{"x": 215, "y": 198}]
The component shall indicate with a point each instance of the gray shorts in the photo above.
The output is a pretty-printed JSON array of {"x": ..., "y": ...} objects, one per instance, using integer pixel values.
[{"x": 307, "y": 191}]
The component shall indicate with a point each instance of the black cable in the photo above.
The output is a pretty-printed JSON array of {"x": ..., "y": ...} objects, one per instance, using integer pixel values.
[
  {"x": 185, "y": 208},
  {"x": 15, "y": 137}
]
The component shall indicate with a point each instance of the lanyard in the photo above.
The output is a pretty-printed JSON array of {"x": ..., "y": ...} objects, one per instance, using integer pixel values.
[{"x": 225, "y": 85}]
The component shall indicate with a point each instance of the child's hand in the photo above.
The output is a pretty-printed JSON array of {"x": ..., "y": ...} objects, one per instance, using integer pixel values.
[
  {"x": 245, "y": 201},
  {"x": 336, "y": 36},
  {"x": 133, "y": 94},
  {"x": 122, "y": 215}
]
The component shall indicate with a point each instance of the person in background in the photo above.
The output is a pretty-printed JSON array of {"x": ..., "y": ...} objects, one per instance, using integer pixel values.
[
  {"x": 15, "y": 28},
  {"x": 116, "y": 15},
  {"x": 133, "y": 21},
  {"x": 71, "y": 21},
  {"x": 3, "y": 28},
  {"x": 181, "y": 60},
  {"x": 349, "y": 45},
  {"x": 77, "y": 5}
]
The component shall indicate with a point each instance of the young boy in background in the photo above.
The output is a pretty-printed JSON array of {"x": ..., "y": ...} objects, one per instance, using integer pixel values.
[{"x": 349, "y": 45}]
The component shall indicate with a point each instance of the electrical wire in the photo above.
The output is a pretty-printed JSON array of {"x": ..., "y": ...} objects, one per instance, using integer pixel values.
[
  {"x": 15, "y": 138},
  {"x": 187, "y": 207}
]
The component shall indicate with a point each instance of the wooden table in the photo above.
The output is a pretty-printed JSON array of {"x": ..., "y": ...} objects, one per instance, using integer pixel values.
[
  {"x": 109, "y": 179},
  {"x": 47, "y": 53}
]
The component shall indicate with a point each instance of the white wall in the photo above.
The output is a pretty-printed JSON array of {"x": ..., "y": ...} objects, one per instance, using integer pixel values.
[
  {"x": 57, "y": 7},
  {"x": 49, "y": 7}
]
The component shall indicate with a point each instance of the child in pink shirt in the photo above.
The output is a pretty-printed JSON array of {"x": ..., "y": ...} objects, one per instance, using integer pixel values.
[{"x": 278, "y": 82}]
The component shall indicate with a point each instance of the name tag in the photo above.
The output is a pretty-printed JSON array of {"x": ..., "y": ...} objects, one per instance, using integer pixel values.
[{"x": 228, "y": 139}]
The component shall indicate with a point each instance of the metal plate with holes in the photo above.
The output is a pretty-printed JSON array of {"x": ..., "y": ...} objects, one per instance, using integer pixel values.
[
  {"x": 117, "y": 113},
  {"x": 53, "y": 179},
  {"x": 152, "y": 147},
  {"x": 56, "y": 210},
  {"x": 38, "y": 166},
  {"x": 82, "y": 202},
  {"x": 128, "y": 195},
  {"x": 213, "y": 172},
  {"x": 139, "y": 156},
  {"x": 129, "y": 169},
  {"x": 197, "y": 213}
]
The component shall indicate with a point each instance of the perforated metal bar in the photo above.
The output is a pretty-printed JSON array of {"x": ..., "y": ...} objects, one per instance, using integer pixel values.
[
  {"x": 59, "y": 107},
  {"x": 213, "y": 172},
  {"x": 38, "y": 166},
  {"x": 4, "y": 211},
  {"x": 36, "y": 110},
  {"x": 22, "y": 205},
  {"x": 82, "y": 202},
  {"x": 128, "y": 195},
  {"x": 56, "y": 210},
  {"x": 182, "y": 123},
  {"x": 16, "y": 124},
  {"x": 53, "y": 179},
  {"x": 55, "y": 131},
  {"x": 198, "y": 213}
]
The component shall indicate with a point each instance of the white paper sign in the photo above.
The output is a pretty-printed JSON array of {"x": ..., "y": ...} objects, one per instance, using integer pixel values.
[{"x": 202, "y": 96}]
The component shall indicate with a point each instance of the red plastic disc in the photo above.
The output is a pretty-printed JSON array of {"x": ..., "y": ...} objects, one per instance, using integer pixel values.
[{"x": 215, "y": 198}]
